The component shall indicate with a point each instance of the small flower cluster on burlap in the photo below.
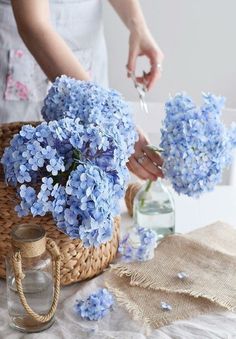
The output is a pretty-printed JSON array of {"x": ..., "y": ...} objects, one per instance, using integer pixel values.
[
  {"x": 196, "y": 144},
  {"x": 96, "y": 306},
  {"x": 74, "y": 165},
  {"x": 138, "y": 244}
]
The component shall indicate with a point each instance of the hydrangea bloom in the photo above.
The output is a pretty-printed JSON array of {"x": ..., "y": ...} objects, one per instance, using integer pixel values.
[
  {"x": 95, "y": 106},
  {"x": 196, "y": 145},
  {"x": 74, "y": 167},
  {"x": 138, "y": 244},
  {"x": 96, "y": 306}
]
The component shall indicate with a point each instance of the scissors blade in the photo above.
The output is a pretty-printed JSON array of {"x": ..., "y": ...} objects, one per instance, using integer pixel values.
[
  {"x": 142, "y": 101},
  {"x": 143, "y": 105},
  {"x": 141, "y": 89}
]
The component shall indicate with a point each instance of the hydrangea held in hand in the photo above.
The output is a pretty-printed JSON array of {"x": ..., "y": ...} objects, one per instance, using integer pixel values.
[
  {"x": 96, "y": 306},
  {"x": 138, "y": 244},
  {"x": 74, "y": 165},
  {"x": 196, "y": 144}
]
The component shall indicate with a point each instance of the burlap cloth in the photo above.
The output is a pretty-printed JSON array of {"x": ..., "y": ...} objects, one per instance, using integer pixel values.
[{"x": 207, "y": 256}]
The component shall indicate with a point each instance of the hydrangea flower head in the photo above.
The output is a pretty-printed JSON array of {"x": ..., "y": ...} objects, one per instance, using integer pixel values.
[
  {"x": 74, "y": 164},
  {"x": 96, "y": 306},
  {"x": 138, "y": 244},
  {"x": 94, "y": 106},
  {"x": 196, "y": 144}
]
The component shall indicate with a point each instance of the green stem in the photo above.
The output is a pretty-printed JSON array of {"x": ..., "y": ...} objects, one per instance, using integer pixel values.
[
  {"x": 63, "y": 176},
  {"x": 149, "y": 184},
  {"x": 157, "y": 150}
]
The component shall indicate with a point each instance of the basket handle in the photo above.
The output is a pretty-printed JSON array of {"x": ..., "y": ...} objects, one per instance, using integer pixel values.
[{"x": 19, "y": 276}]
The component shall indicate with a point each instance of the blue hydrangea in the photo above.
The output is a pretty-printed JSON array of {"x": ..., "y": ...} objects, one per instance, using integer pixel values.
[
  {"x": 138, "y": 244},
  {"x": 74, "y": 164},
  {"x": 94, "y": 106},
  {"x": 91, "y": 189},
  {"x": 96, "y": 306},
  {"x": 196, "y": 145}
]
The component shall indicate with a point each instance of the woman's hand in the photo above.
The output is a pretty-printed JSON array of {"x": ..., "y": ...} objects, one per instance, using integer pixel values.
[
  {"x": 145, "y": 163},
  {"x": 141, "y": 43}
]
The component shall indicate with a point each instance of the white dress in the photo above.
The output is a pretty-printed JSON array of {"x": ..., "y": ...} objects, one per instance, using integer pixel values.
[{"x": 23, "y": 85}]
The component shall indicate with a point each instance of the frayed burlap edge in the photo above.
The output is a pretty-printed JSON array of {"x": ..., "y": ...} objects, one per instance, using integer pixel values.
[
  {"x": 131, "y": 307},
  {"x": 137, "y": 314},
  {"x": 136, "y": 279}
]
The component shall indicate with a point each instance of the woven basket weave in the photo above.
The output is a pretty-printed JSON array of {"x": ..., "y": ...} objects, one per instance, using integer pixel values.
[{"x": 78, "y": 263}]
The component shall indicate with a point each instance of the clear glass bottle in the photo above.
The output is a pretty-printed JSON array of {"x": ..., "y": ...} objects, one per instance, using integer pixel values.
[
  {"x": 153, "y": 207},
  {"x": 35, "y": 268}
]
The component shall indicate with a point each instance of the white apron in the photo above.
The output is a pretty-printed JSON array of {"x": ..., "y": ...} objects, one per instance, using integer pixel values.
[{"x": 23, "y": 85}]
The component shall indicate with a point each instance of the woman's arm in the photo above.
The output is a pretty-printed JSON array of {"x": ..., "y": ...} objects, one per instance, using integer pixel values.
[
  {"x": 48, "y": 48},
  {"x": 141, "y": 41},
  {"x": 130, "y": 13}
]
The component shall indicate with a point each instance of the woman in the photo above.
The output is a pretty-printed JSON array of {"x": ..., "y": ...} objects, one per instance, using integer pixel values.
[{"x": 66, "y": 37}]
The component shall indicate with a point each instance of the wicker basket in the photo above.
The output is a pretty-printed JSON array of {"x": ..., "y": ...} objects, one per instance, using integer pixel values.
[{"x": 78, "y": 263}]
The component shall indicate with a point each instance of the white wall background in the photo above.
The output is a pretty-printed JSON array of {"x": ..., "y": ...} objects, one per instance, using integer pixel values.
[{"x": 198, "y": 38}]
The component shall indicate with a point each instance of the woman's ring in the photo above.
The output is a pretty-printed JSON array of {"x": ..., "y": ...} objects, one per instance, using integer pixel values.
[{"x": 141, "y": 159}]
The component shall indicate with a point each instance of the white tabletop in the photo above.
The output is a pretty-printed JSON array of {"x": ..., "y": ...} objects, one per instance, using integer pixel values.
[{"x": 190, "y": 214}]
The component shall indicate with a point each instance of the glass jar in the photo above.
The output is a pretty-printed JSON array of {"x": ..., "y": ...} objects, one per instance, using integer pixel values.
[
  {"x": 153, "y": 207},
  {"x": 30, "y": 281}
]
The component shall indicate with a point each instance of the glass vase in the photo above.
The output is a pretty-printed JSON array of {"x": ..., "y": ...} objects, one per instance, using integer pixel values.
[
  {"x": 153, "y": 208},
  {"x": 30, "y": 279}
]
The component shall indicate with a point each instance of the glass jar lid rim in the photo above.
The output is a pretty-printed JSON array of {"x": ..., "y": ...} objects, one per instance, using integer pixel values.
[{"x": 27, "y": 232}]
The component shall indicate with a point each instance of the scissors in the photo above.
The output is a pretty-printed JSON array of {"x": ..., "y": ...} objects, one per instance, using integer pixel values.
[{"x": 141, "y": 89}]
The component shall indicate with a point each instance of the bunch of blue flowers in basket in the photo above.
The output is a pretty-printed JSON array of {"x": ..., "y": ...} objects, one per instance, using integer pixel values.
[
  {"x": 196, "y": 145},
  {"x": 73, "y": 165}
]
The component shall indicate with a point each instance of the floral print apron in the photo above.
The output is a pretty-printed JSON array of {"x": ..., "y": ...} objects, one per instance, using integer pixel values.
[{"x": 23, "y": 85}]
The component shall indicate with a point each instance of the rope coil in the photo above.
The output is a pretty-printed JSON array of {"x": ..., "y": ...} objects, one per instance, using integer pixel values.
[{"x": 19, "y": 276}]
